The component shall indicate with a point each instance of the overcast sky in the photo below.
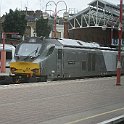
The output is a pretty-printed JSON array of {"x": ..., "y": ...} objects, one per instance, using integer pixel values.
[{"x": 76, "y": 5}]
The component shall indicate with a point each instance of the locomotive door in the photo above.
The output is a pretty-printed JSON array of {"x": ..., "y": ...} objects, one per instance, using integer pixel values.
[{"x": 60, "y": 63}]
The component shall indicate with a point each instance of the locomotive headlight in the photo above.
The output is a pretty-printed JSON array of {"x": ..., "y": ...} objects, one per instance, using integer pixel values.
[
  {"x": 52, "y": 73},
  {"x": 35, "y": 70},
  {"x": 13, "y": 70}
]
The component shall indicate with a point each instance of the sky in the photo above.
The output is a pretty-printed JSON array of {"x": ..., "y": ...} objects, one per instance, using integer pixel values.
[{"x": 74, "y": 5}]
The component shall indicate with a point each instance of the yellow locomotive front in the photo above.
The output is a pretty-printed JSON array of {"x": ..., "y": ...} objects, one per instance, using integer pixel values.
[
  {"x": 24, "y": 66},
  {"x": 24, "y": 70}
]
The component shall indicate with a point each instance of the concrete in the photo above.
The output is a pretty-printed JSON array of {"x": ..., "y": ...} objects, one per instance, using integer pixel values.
[{"x": 85, "y": 101}]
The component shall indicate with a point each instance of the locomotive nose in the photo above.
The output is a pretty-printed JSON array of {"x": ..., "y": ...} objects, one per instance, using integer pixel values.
[{"x": 25, "y": 68}]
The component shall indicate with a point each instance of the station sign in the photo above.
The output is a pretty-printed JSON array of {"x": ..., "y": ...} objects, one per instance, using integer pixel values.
[{"x": 115, "y": 42}]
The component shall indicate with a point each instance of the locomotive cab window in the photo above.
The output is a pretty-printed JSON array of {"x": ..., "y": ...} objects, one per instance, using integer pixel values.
[
  {"x": 50, "y": 51},
  {"x": 29, "y": 49}
]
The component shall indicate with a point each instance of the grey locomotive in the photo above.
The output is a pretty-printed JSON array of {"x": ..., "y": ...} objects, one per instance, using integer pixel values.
[{"x": 61, "y": 59}]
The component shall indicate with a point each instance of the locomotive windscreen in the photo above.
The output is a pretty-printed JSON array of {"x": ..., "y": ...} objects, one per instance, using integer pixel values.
[{"x": 27, "y": 49}]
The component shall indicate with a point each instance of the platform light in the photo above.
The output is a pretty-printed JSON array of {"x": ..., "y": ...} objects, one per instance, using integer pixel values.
[{"x": 65, "y": 15}]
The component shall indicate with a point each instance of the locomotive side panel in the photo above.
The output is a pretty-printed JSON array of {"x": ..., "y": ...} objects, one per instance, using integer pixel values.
[
  {"x": 52, "y": 65},
  {"x": 82, "y": 62},
  {"x": 110, "y": 58},
  {"x": 48, "y": 64},
  {"x": 88, "y": 62},
  {"x": 73, "y": 62}
]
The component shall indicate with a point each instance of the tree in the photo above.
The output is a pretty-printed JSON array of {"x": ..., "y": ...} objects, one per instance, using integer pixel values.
[
  {"x": 42, "y": 27},
  {"x": 15, "y": 21}
]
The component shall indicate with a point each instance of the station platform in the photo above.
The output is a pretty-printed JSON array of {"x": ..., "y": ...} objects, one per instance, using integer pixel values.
[{"x": 80, "y": 101}]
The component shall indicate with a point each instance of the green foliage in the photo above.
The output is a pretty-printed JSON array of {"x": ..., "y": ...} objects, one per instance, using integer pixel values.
[
  {"x": 15, "y": 21},
  {"x": 42, "y": 27}
]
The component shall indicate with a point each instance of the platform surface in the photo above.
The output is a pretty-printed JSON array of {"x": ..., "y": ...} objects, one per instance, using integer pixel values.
[{"x": 81, "y": 101}]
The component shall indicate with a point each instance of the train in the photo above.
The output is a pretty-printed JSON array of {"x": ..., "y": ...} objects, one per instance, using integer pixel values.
[
  {"x": 10, "y": 51},
  {"x": 52, "y": 59}
]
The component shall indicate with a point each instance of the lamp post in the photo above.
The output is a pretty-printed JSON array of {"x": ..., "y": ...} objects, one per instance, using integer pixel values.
[
  {"x": 45, "y": 14},
  {"x": 119, "y": 46}
]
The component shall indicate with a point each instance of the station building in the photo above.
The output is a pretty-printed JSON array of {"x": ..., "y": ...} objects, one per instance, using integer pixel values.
[{"x": 99, "y": 22}]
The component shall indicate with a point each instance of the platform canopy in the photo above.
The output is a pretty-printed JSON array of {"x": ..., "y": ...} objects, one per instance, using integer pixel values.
[{"x": 99, "y": 14}]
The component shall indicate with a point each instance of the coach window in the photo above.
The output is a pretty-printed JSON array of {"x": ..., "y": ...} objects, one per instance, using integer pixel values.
[{"x": 9, "y": 55}]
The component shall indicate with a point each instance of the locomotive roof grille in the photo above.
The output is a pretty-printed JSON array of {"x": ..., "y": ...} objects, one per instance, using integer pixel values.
[
  {"x": 81, "y": 44},
  {"x": 100, "y": 48},
  {"x": 72, "y": 43},
  {"x": 78, "y": 43}
]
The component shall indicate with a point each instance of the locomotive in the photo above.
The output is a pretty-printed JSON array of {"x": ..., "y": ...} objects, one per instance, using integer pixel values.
[{"x": 51, "y": 59}]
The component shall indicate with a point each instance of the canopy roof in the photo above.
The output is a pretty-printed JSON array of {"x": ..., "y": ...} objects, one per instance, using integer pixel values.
[{"x": 98, "y": 13}]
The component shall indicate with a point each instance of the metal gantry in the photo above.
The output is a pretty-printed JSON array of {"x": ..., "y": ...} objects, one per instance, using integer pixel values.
[{"x": 98, "y": 14}]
